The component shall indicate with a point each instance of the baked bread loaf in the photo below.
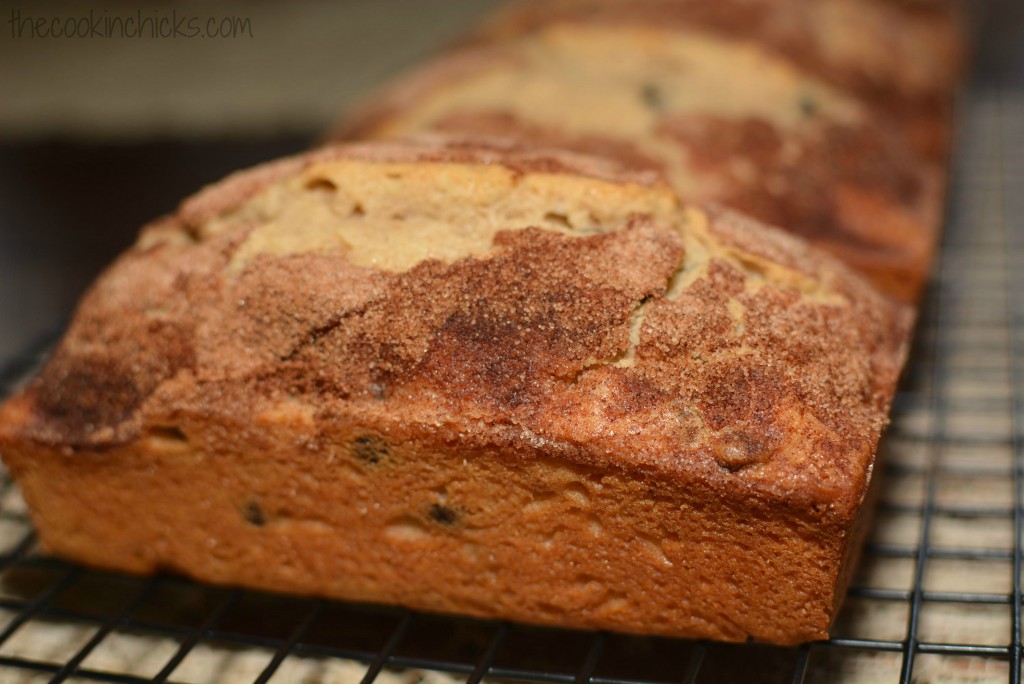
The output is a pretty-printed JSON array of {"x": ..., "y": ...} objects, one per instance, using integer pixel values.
[
  {"x": 471, "y": 378},
  {"x": 828, "y": 119}
]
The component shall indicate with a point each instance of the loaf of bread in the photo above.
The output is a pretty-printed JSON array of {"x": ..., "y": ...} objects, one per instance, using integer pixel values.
[
  {"x": 829, "y": 119},
  {"x": 474, "y": 378}
]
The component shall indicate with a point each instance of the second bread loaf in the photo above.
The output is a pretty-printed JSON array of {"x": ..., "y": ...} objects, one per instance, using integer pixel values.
[{"x": 754, "y": 104}]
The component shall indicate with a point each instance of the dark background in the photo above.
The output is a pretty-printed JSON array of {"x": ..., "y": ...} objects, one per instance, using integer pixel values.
[{"x": 68, "y": 207}]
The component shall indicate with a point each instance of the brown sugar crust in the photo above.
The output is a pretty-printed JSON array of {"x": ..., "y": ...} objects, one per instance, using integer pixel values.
[
  {"x": 658, "y": 420},
  {"x": 853, "y": 191},
  {"x": 882, "y": 213}
]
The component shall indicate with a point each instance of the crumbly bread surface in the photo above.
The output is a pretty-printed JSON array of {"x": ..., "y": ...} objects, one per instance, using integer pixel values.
[
  {"x": 471, "y": 378},
  {"x": 783, "y": 110}
]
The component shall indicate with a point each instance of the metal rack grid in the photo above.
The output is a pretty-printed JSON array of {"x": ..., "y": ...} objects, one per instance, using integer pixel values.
[{"x": 937, "y": 597}]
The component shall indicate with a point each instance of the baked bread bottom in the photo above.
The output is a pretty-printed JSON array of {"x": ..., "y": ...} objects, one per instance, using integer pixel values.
[{"x": 585, "y": 406}]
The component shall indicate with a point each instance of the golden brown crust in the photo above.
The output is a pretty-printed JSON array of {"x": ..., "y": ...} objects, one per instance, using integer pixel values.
[
  {"x": 853, "y": 191},
  {"x": 684, "y": 387},
  {"x": 881, "y": 210}
]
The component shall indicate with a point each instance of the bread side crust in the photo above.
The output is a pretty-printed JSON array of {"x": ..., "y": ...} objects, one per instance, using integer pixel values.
[{"x": 523, "y": 537}]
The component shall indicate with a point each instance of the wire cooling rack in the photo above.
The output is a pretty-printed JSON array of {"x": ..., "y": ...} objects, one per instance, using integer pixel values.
[{"x": 937, "y": 596}]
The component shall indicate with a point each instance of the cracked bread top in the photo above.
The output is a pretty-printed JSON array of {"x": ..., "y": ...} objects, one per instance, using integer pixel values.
[{"x": 476, "y": 297}]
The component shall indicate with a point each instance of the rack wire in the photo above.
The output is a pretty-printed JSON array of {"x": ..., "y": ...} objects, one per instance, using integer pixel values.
[{"x": 937, "y": 596}]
